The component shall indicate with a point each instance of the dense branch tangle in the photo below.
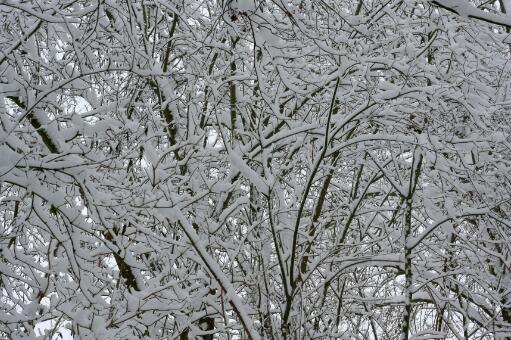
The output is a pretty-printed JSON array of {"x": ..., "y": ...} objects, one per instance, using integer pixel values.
[{"x": 240, "y": 169}]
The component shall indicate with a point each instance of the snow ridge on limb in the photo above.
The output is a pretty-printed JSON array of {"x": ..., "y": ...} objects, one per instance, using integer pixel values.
[
  {"x": 465, "y": 9},
  {"x": 175, "y": 214}
]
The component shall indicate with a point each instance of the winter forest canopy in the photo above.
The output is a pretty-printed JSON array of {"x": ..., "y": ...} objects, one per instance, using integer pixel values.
[{"x": 270, "y": 169}]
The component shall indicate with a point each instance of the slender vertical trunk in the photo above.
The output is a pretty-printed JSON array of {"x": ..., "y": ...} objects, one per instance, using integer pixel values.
[
  {"x": 414, "y": 176},
  {"x": 405, "y": 330}
]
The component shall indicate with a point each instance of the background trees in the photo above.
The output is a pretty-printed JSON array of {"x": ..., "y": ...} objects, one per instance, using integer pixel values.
[{"x": 303, "y": 169}]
